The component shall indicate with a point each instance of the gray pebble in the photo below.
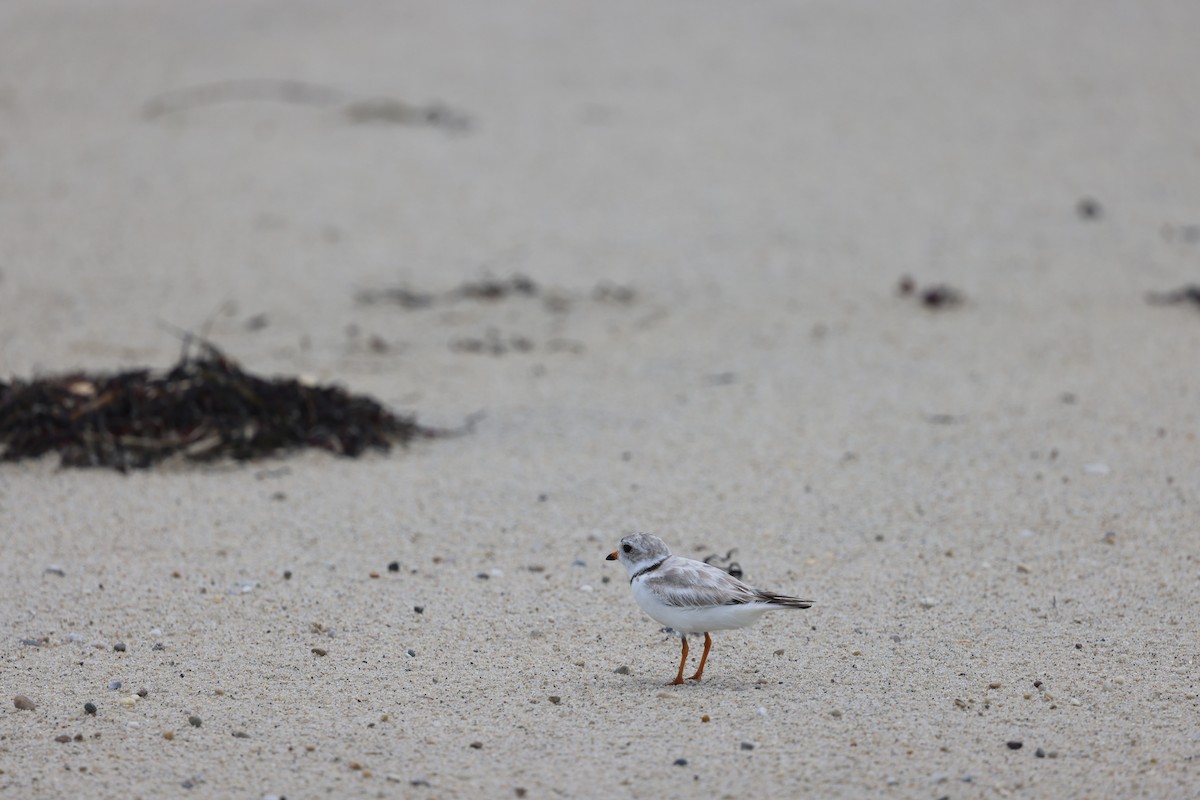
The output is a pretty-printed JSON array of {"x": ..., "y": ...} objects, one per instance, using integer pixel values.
[
  {"x": 55, "y": 569},
  {"x": 194, "y": 721},
  {"x": 1040, "y": 753},
  {"x": 622, "y": 670},
  {"x": 63, "y": 738},
  {"x": 241, "y": 735},
  {"x": 24, "y": 703},
  {"x": 747, "y": 745},
  {"x": 419, "y": 609},
  {"x": 681, "y": 762},
  {"x": 476, "y": 745},
  {"x": 89, "y": 708},
  {"x": 119, "y": 647},
  {"x": 411, "y": 652},
  {"x": 114, "y": 685},
  {"x": 31, "y": 642},
  {"x": 143, "y": 692}
]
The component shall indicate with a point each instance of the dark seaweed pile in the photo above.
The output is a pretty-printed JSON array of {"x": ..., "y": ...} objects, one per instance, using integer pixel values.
[{"x": 205, "y": 408}]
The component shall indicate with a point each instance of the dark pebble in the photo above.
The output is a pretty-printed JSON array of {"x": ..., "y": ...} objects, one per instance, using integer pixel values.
[
  {"x": 605, "y": 579},
  {"x": 158, "y": 646},
  {"x": 24, "y": 703},
  {"x": 555, "y": 699},
  {"x": 31, "y": 643},
  {"x": 319, "y": 651},
  {"x": 747, "y": 745},
  {"x": 194, "y": 721},
  {"x": 519, "y": 791},
  {"x": 622, "y": 670},
  {"x": 411, "y": 651},
  {"x": 1088, "y": 208},
  {"x": 89, "y": 708},
  {"x": 394, "y": 566},
  {"x": 681, "y": 762},
  {"x": 119, "y": 647},
  {"x": 1078, "y": 647},
  {"x": 483, "y": 576},
  {"x": 63, "y": 738},
  {"x": 287, "y": 574},
  {"x": 419, "y": 782},
  {"x": 476, "y": 745},
  {"x": 1037, "y": 684},
  {"x": 187, "y": 784},
  {"x": 1015, "y": 745},
  {"x": 241, "y": 735},
  {"x": 1040, "y": 753},
  {"x": 419, "y": 609},
  {"x": 143, "y": 692}
]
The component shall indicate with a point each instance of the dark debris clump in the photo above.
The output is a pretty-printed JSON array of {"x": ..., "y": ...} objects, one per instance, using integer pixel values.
[{"x": 205, "y": 408}]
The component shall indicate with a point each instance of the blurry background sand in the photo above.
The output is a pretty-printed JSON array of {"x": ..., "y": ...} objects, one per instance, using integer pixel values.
[{"x": 993, "y": 505}]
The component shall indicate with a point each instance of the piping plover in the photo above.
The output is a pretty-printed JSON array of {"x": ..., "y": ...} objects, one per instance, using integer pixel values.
[{"x": 690, "y": 596}]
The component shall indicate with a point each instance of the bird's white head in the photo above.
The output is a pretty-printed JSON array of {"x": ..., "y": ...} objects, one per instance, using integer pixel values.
[{"x": 638, "y": 551}]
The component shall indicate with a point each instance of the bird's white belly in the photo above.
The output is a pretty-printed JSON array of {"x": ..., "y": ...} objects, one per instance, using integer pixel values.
[{"x": 697, "y": 619}]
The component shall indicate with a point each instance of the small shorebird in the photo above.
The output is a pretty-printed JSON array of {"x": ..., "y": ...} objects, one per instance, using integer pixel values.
[{"x": 691, "y": 597}]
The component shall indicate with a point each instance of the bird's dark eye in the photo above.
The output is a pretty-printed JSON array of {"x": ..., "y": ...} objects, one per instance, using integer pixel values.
[{"x": 627, "y": 549}]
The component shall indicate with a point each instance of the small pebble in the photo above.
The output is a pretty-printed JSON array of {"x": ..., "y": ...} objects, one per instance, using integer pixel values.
[
  {"x": 892, "y": 780},
  {"x": 555, "y": 699},
  {"x": 89, "y": 708},
  {"x": 1040, "y": 753},
  {"x": 374, "y": 574},
  {"x": 194, "y": 721},
  {"x": 579, "y": 562},
  {"x": 681, "y": 762},
  {"x": 114, "y": 685},
  {"x": 24, "y": 703},
  {"x": 483, "y": 576},
  {"x": 622, "y": 670},
  {"x": 319, "y": 651},
  {"x": 476, "y": 745},
  {"x": 419, "y": 609},
  {"x": 63, "y": 738},
  {"x": 928, "y": 602},
  {"x": 1015, "y": 745},
  {"x": 158, "y": 646},
  {"x": 143, "y": 692},
  {"x": 762, "y": 711},
  {"x": 128, "y": 702},
  {"x": 994, "y": 685},
  {"x": 119, "y": 647},
  {"x": 394, "y": 566},
  {"x": 836, "y": 713},
  {"x": 241, "y": 735},
  {"x": 55, "y": 569},
  {"x": 585, "y": 588},
  {"x": 411, "y": 651},
  {"x": 287, "y": 574},
  {"x": 168, "y": 735},
  {"x": 704, "y": 718},
  {"x": 747, "y": 745},
  {"x": 31, "y": 643}
]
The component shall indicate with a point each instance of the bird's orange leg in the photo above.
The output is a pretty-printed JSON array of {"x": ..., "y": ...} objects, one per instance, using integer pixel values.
[
  {"x": 682, "y": 663},
  {"x": 703, "y": 658}
]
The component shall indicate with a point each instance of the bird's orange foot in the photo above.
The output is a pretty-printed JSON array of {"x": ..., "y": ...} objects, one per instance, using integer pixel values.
[{"x": 676, "y": 682}]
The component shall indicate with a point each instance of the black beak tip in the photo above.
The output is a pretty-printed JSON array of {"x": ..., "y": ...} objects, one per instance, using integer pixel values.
[{"x": 611, "y": 557}]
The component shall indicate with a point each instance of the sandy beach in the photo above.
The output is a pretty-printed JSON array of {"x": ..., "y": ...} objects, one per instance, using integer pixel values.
[{"x": 992, "y": 502}]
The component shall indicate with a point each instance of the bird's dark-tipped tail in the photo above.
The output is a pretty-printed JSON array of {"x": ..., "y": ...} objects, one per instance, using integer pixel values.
[{"x": 783, "y": 601}]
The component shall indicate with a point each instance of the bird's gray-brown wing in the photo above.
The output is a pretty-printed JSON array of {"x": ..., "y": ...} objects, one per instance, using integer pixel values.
[{"x": 684, "y": 583}]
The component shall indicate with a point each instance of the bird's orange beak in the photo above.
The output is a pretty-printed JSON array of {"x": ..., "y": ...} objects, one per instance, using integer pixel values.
[{"x": 611, "y": 556}]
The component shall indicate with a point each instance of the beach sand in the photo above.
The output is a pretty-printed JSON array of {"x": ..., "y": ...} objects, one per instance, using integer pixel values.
[{"x": 992, "y": 504}]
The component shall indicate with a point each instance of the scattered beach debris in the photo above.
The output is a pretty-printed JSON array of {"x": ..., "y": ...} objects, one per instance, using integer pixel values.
[
  {"x": 938, "y": 296},
  {"x": 1184, "y": 294},
  {"x": 356, "y": 109},
  {"x": 726, "y": 563},
  {"x": 1089, "y": 208},
  {"x": 491, "y": 290},
  {"x": 204, "y": 408}
]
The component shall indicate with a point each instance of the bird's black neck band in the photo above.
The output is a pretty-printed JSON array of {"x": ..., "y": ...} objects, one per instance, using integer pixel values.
[{"x": 650, "y": 568}]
